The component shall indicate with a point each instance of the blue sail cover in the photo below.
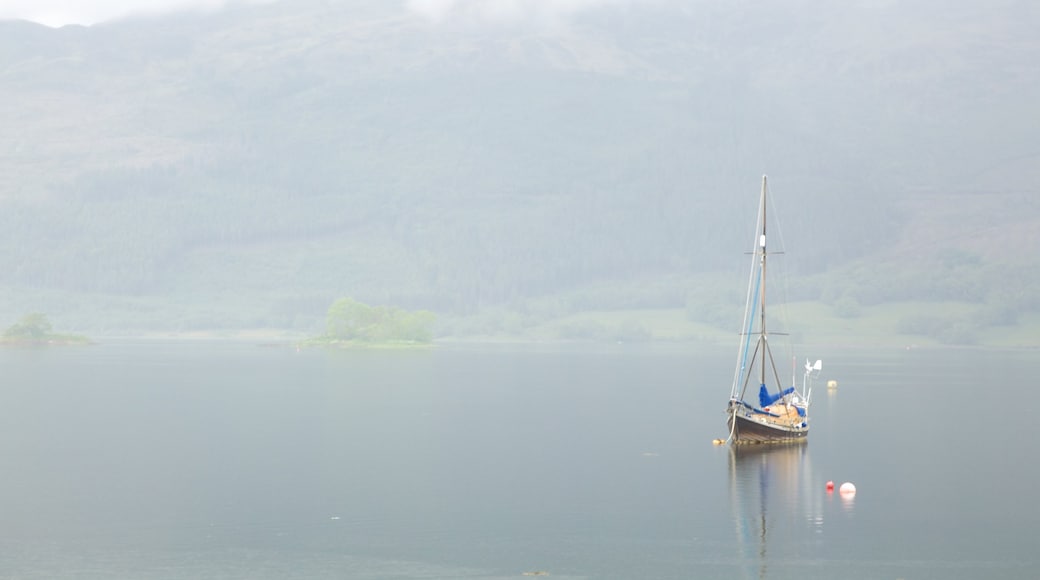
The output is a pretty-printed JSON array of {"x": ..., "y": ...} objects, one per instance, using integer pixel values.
[{"x": 765, "y": 398}]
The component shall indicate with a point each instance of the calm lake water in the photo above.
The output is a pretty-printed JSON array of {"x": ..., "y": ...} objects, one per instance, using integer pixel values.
[{"x": 226, "y": 460}]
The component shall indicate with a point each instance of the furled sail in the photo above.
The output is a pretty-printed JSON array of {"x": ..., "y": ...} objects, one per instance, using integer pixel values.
[{"x": 765, "y": 398}]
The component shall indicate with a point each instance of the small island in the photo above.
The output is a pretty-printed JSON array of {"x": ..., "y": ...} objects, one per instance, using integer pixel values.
[
  {"x": 34, "y": 329},
  {"x": 350, "y": 323}
]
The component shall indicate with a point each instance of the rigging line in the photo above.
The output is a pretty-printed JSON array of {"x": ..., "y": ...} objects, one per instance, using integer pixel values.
[
  {"x": 742, "y": 364},
  {"x": 785, "y": 314},
  {"x": 747, "y": 378},
  {"x": 742, "y": 356},
  {"x": 776, "y": 222},
  {"x": 748, "y": 322},
  {"x": 776, "y": 375}
]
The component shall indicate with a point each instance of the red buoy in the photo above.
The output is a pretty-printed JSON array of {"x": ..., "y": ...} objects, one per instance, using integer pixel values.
[{"x": 830, "y": 486}]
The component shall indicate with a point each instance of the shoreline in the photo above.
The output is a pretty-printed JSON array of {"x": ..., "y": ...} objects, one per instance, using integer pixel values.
[{"x": 265, "y": 337}]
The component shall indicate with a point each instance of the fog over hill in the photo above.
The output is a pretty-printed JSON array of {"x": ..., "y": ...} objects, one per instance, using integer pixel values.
[{"x": 245, "y": 167}]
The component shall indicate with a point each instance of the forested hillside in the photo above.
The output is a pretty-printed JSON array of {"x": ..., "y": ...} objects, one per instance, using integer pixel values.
[{"x": 246, "y": 168}]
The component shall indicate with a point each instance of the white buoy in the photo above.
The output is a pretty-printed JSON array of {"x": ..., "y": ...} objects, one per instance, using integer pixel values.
[{"x": 847, "y": 488}]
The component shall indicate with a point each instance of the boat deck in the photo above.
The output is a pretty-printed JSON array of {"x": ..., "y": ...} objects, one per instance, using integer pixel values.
[{"x": 789, "y": 416}]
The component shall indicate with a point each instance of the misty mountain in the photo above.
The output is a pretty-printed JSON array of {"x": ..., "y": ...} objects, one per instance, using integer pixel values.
[{"x": 247, "y": 167}]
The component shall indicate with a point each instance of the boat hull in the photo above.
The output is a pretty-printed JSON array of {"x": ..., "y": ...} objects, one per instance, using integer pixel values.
[{"x": 757, "y": 428}]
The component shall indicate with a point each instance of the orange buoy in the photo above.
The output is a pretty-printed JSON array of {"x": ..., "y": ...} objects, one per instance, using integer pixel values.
[
  {"x": 847, "y": 488},
  {"x": 830, "y": 486}
]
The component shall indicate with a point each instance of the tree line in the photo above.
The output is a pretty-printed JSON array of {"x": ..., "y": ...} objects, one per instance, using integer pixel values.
[{"x": 353, "y": 321}]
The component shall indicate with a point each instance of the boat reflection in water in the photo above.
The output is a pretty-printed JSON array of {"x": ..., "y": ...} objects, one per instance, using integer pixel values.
[{"x": 775, "y": 506}]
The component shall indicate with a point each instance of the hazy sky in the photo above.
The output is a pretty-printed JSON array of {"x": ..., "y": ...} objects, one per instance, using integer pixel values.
[
  {"x": 504, "y": 10},
  {"x": 62, "y": 12},
  {"x": 86, "y": 12}
]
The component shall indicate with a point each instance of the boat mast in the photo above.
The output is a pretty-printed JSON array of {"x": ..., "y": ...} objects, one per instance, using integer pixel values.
[{"x": 762, "y": 295}]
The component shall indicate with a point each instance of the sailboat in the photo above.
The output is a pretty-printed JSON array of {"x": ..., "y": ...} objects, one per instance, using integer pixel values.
[{"x": 778, "y": 414}]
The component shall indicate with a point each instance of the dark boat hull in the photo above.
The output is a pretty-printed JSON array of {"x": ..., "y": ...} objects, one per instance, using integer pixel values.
[{"x": 753, "y": 428}]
